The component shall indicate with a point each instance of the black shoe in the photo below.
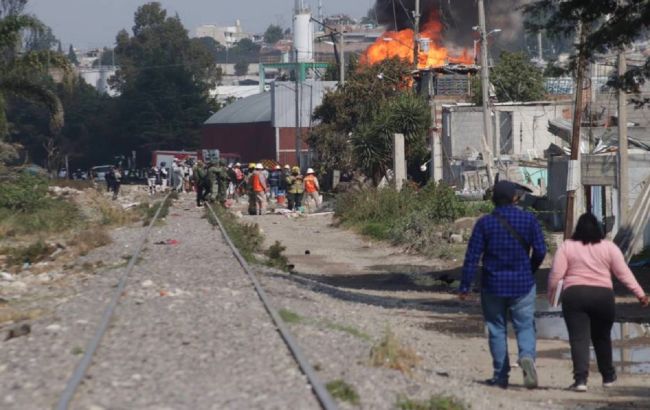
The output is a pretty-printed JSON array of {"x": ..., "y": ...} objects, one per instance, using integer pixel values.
[
  {"x": 497, "y": 383},
  {"x": 579, "y": 386}
]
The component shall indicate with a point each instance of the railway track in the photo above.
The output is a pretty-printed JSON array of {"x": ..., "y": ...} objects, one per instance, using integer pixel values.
[{"x": 81, "y": 371}]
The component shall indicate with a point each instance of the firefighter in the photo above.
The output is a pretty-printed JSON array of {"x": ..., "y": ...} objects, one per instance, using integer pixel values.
[{"x": 296, "y": 188}]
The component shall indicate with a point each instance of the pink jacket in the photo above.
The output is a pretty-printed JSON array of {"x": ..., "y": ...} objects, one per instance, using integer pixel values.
[{"x": 590, "y": 265}]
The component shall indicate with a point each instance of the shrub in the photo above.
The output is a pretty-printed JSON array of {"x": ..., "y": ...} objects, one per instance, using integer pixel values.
[
  {"x": 33, "y": 253},
  {"x": 389, "y": 352},
  {"x": 246, "y": 237},
  {"x": 52, "y": 216},
  {"x": 22, "y": 192},
  {"x": 276, "y": 257},
  {"x": 341, "y": 390},
  {"x": 434, "y": 403}
]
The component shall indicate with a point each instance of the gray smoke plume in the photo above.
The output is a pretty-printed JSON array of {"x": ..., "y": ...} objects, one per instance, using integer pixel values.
[{"x": 458, "y": 18}]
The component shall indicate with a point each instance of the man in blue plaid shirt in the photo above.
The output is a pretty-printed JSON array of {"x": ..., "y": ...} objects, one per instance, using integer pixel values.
[{"x": 504, "y": 239}]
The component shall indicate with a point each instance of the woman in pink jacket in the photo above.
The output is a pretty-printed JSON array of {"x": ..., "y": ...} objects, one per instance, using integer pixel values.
[{"x": 586, "y": 263}]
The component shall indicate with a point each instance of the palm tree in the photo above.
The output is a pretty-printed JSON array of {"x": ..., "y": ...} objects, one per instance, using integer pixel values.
[{"x": 22, "y": 72}]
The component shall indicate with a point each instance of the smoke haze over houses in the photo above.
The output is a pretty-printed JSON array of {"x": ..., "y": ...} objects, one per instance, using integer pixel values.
[{"x": 458, "y": 17}]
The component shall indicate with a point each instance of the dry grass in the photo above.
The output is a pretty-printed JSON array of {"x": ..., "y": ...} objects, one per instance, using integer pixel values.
[
  {"x": 8, "y": 314},
  {"x": 90, "y": 239},
  {"x": 391, "y": 353}
]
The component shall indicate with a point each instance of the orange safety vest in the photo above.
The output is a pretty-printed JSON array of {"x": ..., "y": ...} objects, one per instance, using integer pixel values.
[
  {"x": 257, "y": 184},
  {"x": 310, "y": 184}
]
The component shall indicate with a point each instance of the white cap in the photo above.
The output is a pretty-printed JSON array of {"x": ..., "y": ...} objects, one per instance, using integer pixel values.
[
  {"x": 310, "y": 171},
  {"x": 238, "y": 164},
  {"x": 287, "y": 166},
  {"x": 259, "y": 166},
  {"x": 278, "y": 167}
]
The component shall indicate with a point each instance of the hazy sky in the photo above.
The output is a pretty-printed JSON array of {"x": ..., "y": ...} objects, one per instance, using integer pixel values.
[{"x": 94, "y": 23}]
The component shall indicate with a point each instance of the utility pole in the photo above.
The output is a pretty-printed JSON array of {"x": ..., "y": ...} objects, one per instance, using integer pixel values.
[
  {"x": 342, "y": 56},
  {"x": 298, "y": 112},
  {"x": 416, "y": 36},
  {"x": 623, "y": 167},
  {"x": 485, "y": 88},
  {"x": 573, "y": 183}
]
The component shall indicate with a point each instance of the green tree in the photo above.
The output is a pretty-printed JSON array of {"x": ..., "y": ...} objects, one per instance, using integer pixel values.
[
  {"x": 515, "y": 78},
  {"x": 23, "y": 72},
  {"x": 357, "y": 121},
  {"x": 241, "y": 68},
  {"x": 72, "y": 56},
  {"x": 106, "y": 58},
  {"x": 164, "y": 79},
  {"x": 273, "y": 34},
  {"x": 610, "y": 25},
  {"x": 246, "y": 45}
]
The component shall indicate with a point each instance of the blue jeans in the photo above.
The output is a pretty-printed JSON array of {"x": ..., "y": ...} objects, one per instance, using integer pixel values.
[
  {"x": 274, "y": 191},
  {"x": 522, "y": 314}
]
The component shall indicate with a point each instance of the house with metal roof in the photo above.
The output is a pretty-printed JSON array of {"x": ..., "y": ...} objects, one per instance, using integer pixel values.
[{"x": 263, "y": 126}]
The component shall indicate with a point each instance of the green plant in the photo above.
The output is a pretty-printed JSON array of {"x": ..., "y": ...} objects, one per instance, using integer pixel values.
[
  {"x": 351, "y": 330},
  {"x": 246, "y": 237},
  {"x": 22, "y": 192},
  {"x": 391, "y": 353},
  {"x": 434, "y": 403},
  {"x": 290, "y": 317},
  {"x": 343, "y": 391},
  {"x": 33, "y": 253},
  {"x": 276, "y": 257}
]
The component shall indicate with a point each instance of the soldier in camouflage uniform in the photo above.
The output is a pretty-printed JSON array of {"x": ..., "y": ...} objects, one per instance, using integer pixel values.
[{"x": 222, "y": 180}]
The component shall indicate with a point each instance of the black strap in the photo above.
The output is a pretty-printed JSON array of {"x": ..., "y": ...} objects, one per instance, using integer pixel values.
[{"x": 504, "y": 222}]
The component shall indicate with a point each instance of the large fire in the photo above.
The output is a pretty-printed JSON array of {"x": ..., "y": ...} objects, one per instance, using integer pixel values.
[{"x": 400, "y": 44}]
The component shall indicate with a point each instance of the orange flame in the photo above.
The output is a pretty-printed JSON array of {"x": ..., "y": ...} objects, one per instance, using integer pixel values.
[{"x": 400, "y": 44}]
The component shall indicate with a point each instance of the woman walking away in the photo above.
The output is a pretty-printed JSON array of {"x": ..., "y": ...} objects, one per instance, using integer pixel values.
[{"x": 585, "y": 263}]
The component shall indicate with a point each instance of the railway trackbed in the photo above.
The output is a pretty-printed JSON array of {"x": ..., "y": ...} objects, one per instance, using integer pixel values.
[{"x": 190, "y": 326}]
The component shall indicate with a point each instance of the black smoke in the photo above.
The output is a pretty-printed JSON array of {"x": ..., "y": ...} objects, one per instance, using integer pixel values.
[{"x": 458, "y": 18}]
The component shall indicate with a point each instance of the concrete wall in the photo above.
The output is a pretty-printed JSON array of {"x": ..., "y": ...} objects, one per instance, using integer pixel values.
[{"x": 522, "y": 130}]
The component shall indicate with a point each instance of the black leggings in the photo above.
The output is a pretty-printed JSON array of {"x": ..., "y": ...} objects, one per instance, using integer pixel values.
[{"x": 589, "y": 313}]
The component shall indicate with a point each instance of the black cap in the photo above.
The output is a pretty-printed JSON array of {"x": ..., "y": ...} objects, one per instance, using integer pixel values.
[{"x": 505, "y": 190}]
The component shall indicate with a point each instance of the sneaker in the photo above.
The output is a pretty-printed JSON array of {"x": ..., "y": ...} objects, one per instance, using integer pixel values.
[
  {"x": 494, "y": 382},
  {"x": 578, "y": 386},
  {"x": 527, "y": 365},
  {"x": 609, "y": 381}
]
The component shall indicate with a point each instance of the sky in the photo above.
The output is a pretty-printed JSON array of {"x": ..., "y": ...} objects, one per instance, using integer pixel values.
[{"x": 95, "y": 23}]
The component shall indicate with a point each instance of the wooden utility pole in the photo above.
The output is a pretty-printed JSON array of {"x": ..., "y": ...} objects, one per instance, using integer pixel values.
[
  {"x": 416, "y": 36},
  {"x": 485, "y": 87},
  {"x": 623, "y": 166},
  {"x": 573, "y": 177}
]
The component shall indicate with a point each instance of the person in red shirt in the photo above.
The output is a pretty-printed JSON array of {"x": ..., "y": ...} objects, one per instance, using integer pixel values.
[{"x": 312, "y": 188}]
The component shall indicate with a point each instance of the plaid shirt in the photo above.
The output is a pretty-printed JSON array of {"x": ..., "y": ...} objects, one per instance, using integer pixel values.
[{"x": 507, "y": 268}]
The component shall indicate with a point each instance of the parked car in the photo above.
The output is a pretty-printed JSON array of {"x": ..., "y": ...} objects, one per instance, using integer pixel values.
[{"x": 98, "y": 173}]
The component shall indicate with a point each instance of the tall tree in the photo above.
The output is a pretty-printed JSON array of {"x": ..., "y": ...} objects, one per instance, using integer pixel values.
[
  {"x": 164, "y": 79},
  {"x": 241, "y": 68},
  {"x": 72, "y": 55},
  {"x": 273, "y": 34},
  {"x": 22, "y": 71},
  {"x": 357, "y": 120},
  {"x": 612, "y": 25},
  {"x": 514, "y": 78}
]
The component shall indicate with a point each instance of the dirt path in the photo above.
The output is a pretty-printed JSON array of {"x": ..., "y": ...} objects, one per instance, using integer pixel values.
[{"x": 367, "y": 286}]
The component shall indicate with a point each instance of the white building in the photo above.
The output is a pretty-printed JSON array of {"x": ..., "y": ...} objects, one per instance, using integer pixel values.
[{"x": 226, "y": 36}]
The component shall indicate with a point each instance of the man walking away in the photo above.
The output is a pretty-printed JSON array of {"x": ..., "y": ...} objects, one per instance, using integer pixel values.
[
  {"x": 152, "y": 176},
  {"x": 296, "y": 188},
  {"x": 504, "y": 239},
  {"x": 200, "y": 178},
  {"x": 312, "y": 188},
  {"x": 259, "y": 186}
]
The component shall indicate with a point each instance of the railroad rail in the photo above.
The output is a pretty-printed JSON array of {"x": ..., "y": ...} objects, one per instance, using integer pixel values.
[
  {"x": 82, "y": 368},
  {"x": 317, "y": 387}
]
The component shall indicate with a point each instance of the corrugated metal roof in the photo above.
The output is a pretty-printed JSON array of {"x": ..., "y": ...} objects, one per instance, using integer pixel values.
[{"x": 256, "y": 108}]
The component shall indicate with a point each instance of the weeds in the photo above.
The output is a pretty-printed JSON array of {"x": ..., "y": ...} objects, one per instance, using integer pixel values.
[
  {"x": 351, "y": 330},
  {"x": 434, "y": 403},
  {"x": 290, "y": 317},
  {"x": 33, "y": 253},
  {"x": 89, "y": 239},
  {"x": 389, "y": 352},
  {"x": 408, "y": 218},
  {"x": 246, "y": 237},
  {"x": 150, "y": 211},
  {"x": 341, "y": 390},
  {"x": 276, "y": 257}
]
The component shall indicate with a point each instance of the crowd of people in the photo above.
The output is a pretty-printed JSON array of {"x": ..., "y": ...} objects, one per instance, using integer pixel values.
[{"x": 217, "y": 181}]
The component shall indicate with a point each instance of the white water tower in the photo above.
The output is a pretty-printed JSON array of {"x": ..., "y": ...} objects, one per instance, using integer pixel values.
[{"x": 303, "y": 33}]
